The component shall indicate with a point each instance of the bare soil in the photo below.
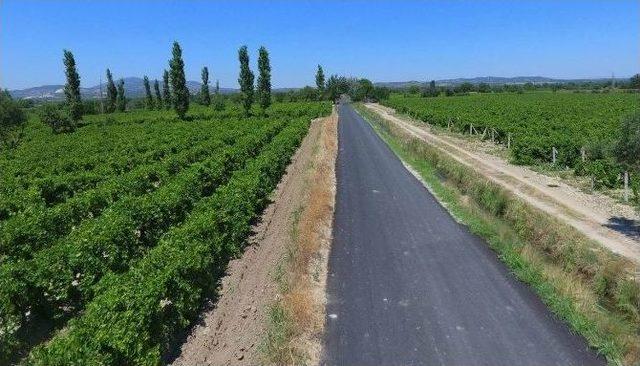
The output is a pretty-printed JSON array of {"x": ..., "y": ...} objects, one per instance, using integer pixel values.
[
  {"x": 598, "y": 216},
  {"x": 232, "y": 330}
]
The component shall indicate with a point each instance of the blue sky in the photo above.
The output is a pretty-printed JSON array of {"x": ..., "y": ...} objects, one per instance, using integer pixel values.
[{"x": 381, "y": 40}]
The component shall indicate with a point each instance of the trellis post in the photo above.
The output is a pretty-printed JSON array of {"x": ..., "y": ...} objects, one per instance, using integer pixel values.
[
  {"x": 626, "y": 186},
  {"x": 554, "y": 152}
]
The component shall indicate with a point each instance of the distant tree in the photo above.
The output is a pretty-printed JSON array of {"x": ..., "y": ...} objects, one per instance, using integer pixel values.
[
  {"x": 264, "y": 78},
  {"x": 111, "y": 93},
  {"x": 320, "y": 82},
  {"x": 148, "y": 96},
  {"x": 205, "y": 97},
  {"x": 72, "y": 87},
  {"x": 484, "y": 88},
  {"x": 634, "y": 82},
  {"x": 178, "y": 82},
  {"x": 245, "y": 80},
  {"x": 307, "y": 94},
  {"x": 156, "y": 88},
  {"x": 464, "y": 87},
  {"x": 12, "y": 120},
  {"x": 431, "y": 90},
  {"x": 363, "y": 90},
  {"x": 336, "y": 86},
  {"x": 166, "y": 92},
  {"x": 218, "y": 101},
  {"x": 121, "y": 102}
]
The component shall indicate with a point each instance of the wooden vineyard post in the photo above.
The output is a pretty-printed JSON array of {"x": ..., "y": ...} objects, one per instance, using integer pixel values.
[
  {"x": 493, "y": 135},
  {"x": 509, "y": 140},
  {"x": 626, "y": 186},
  {"x": 583, "y": 153},
  {"x": 554, "y": 152},
  {"x": 471, "y": 129},
  {"x": 449, "y": 124}
]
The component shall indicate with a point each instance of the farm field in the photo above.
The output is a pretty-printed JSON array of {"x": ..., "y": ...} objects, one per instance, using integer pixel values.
[
  {"x": 536, "y": 121},
  {"x": 132, "y": 209}
]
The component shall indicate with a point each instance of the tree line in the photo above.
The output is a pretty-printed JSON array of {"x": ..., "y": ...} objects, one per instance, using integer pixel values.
[{"x": 174, "y": 94}]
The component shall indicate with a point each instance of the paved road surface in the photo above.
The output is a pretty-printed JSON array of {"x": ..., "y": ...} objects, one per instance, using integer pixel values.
[{"x": 409, "y": 286}]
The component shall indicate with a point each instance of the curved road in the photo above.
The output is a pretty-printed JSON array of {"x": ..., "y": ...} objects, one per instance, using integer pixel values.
[{"x": 408, "y": 285}]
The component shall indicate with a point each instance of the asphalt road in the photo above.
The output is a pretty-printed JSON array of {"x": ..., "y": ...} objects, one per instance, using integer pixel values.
[{"x": 408, "y": 285}]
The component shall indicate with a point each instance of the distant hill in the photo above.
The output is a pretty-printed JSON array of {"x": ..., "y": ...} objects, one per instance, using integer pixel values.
[
  {"x": 133, "y": 86},
  {"x": 490, "y": 80}
]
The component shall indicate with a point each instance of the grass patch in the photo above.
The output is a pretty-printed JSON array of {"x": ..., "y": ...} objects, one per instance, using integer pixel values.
[{"x": 590, "y": 288}]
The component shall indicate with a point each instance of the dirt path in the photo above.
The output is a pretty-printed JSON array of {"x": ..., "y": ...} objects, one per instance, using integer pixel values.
[
  {"x": 591, "y": 214},
  {"x": 232, "y": 330}
]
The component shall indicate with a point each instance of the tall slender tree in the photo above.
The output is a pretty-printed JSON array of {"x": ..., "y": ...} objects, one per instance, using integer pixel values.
[
  {"x": 264, "y": 78},
  {"x": 156, "y": 88},
  {"x": 72, "y": 87},
  {"x": 112, "y": 93},
  {"x": 178, "y": 82},
  {"x": 320, "y": 82},
  {"x": 218, "y": 102},
  {"x": 122, "y": 99},
  {"x": 147, "y": 90},
  {"x": 166, "y": 92},
  {"x": 205, "y": 97},
  {"x": 245, "y": 80}
]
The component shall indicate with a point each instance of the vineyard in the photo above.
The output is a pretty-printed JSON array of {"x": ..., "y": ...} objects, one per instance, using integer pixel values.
[
  {"x": 118, "y": 231},
  {"x": 533, "y": 124}
]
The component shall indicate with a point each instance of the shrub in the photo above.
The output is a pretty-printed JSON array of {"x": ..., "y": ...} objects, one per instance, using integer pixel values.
[
  {"x": 59, "y": 122},
  {"x": 12, "y": 120}
]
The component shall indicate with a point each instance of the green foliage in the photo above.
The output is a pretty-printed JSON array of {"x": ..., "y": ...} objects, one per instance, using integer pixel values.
[
  {"x": 264, "y": 78},
  {"x": 166, "y": 92},
  {"x": 205, "y": 97},
  {"x": 171, "y": 281},
  {"x": 218, "y": 100},
  {"x": 72, "y": 87},
  {"x": 245, "y": 79},
  {"x": 536, "y": 121},
  {"x": 53, "y": 117},
  {"x": 179, "y": 90},
  {"x": 79, "y": 210},
  {"x": 320, "y": 82},
  {"x": 148, "y": 97},
  {"x": 156, "y": 88},
  {"x": 634, "y": 82},
  {"x": 121, "y": 99},
  {"x": 112, "y": 94},
  {"x": 12, "y": 120},
  {"x": 337, "y": 85},
  {"x": 363, "y": 90},
  {"x": 627, "y": 148},
  {"x": 431, "y": 91}
]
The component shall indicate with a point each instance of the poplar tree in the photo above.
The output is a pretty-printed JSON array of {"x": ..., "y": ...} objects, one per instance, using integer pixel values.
[
  {"x": 72, "y": 87},
  {"x": 264, "y": 78},
  {"x": 156, "y": 87},
  {"x": 205, "y": 97},
  {"x": 166, "y": 92},
  {"x": 147, "y": 90},
  {"x": 320, "y": 81},
  {"x": 218, "y": 102},
  {"x": 122, "y": 99},
  {"x": 245, "y": 80},
  {"x": 178, "y": 82},
  {"x": 111, "y": 93}
]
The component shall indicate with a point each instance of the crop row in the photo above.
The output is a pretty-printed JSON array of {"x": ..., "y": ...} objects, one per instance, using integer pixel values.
[
  {"x": 46, "y": 182},
  {"x": 23, "y": 234},
  {"x": 60, "y": 279},
  {"x": 535, "y": 122},
  {"x": 141, "y": 311}
]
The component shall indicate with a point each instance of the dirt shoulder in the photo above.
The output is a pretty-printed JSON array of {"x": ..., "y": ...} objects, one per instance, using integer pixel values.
[
  {"x": 233, "y": 330},
  {"x": 591, "y": 214}
]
